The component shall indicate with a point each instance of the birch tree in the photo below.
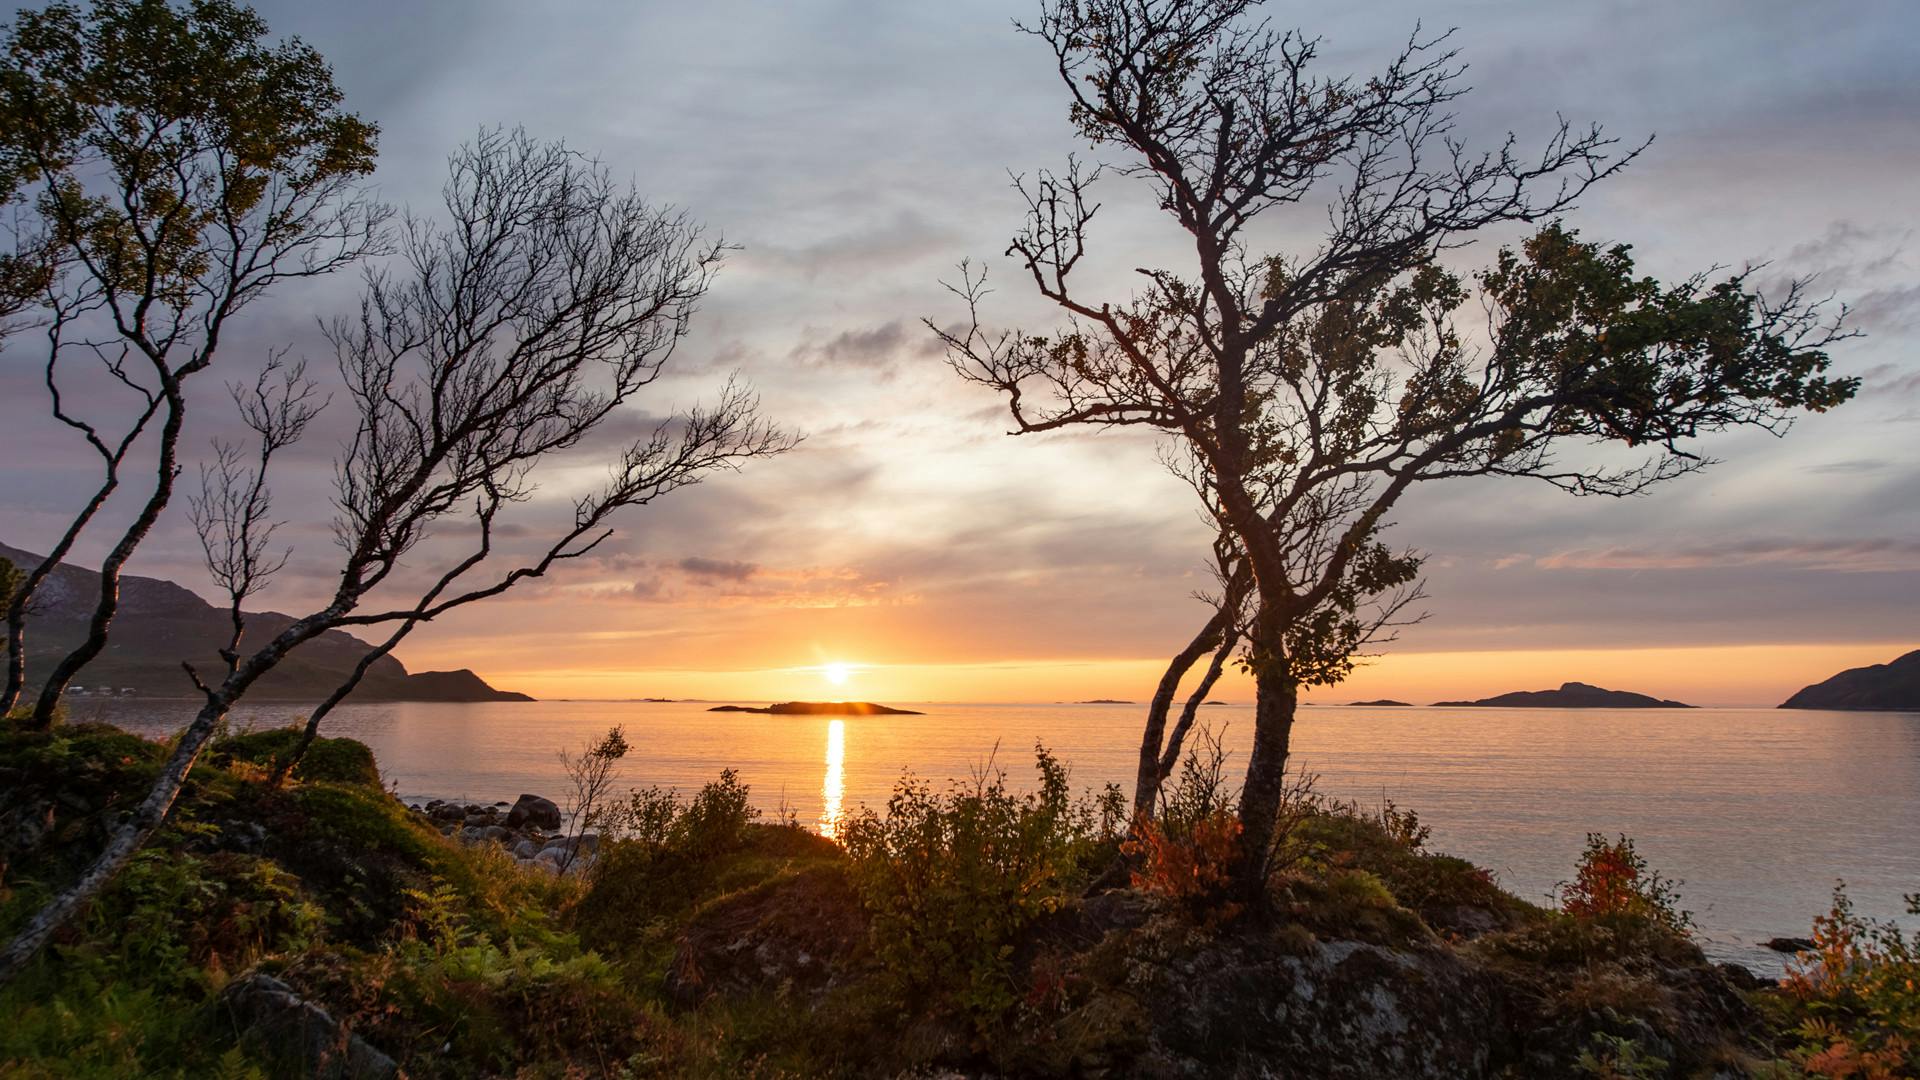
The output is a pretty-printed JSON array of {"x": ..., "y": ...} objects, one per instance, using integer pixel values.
[
  {"x": 547, "y": 299},
  {"x": 168, "y": 167}
]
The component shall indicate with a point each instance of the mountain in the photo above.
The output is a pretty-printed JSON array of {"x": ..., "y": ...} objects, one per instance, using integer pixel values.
[
  {"x": 1879, "y": 686},
  {"x": 1573, "y": 695},
  {"x": 161, "y": 623}
]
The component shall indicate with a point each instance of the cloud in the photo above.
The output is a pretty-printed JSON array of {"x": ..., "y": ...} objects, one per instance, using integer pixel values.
[
  {"x": 1846, "y": 556},
  {"x": 906, "y": 237},
  {"x": 872, "y": 348},
  {"x": 701, "y": 567}
]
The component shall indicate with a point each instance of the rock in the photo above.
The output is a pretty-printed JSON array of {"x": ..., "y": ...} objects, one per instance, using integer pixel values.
[
  {"x": 1789, "y": 944},
  {"x": 499, "y": 834},
  {"x": 535, "y": 811},
  {"x": 525, "y": 850},
  {"x": 1741, "y": 978},
  {"x": 804, "y": 932},
  {"x": 303, "y": 1035},
  {"x": 481, "y": 819}
]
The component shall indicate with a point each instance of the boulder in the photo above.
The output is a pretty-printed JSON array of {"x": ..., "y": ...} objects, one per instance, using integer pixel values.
[
  {"x": 498, "y": 834},
  {"x": 1789, "y": 944},
  {"x": 302, "y": 1036},
  {"x": 535, "y": 811}
]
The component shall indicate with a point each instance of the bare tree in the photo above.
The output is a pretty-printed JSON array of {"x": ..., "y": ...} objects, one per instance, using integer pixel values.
[
  {"x": 233, "y": 512},
  {"x": 176, "y": 166},
  {"x": 590, "y": 772},
  {"x": 1314, "y": 387},
  {"x": 507, "y": 336}
]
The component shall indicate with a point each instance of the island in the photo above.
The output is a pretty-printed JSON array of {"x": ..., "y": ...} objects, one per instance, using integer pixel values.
[
  {"x": 1876, "y": 688},
  {"x": 1382, "y": 701},
  {"x": 1214, "y": 703},
  {"x": 1103, "y": 701},
  {"x": 819, "y": 708},
  {"x": 1572, "y": 695}
]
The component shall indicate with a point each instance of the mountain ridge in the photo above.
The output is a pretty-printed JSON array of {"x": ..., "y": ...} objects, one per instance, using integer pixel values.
[
  {"x": 1890, "y": 687},
  {"x": 162, "y": 623}
]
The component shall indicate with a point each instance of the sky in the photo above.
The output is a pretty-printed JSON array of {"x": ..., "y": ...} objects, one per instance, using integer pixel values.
[{"x": 855, "y": 152}]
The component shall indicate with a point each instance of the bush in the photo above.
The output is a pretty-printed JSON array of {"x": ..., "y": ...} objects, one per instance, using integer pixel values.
[
  {"x": 1614, "y": 884},
  {"x": 340, "y": 761},
  {"x": 657, "y": 859},
  {"x": 952, "y": 880},
  {"x": 1856, "y": 996}
]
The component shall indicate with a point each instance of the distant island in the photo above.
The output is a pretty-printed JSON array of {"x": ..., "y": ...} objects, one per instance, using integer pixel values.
[
  {"x": 1406, "y": 704},
  {"x": 1894, "y": 686},
  {"x": 1573, "y": 695},
  {"x": 820, "y": 708},
  {"x": 1103, "y": 701},
  {"x": 161, "y": 623},
  {"x": 1213, "y": 703}
]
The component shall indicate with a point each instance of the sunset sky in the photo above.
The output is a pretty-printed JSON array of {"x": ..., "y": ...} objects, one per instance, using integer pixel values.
[{"x": 857, "y": 151}]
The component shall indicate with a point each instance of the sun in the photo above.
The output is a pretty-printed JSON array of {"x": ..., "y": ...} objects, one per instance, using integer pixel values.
[{"x": 836, "y": 673}]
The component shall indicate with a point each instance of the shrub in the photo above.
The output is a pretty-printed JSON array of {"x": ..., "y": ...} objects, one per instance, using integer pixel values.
[
  {"x": 657, "y": 855},
  {"x": 1614, "y": 884},
  {"x": 340, "y": 761},
  {"x": 1856, "y": 995},
  {"x": 1187, "y": 851},
  {"x": 952, "y": 880}
]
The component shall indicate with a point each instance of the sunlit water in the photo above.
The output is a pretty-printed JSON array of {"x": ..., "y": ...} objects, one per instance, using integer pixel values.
[{"x": 1757, "y": 811}]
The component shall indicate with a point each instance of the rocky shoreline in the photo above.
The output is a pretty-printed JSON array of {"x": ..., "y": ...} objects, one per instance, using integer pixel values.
[{"x": 532, "y": 830}]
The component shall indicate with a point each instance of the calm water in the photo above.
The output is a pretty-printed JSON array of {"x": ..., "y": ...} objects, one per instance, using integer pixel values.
[{"x": 1758, "y": 811}]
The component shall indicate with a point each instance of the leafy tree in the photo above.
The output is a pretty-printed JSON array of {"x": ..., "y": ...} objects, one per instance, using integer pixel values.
[
  {"x": 169, "y": 166},
  {"x": 1308, "y": 389}
]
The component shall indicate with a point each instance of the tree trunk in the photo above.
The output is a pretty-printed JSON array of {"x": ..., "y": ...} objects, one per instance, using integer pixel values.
[
  {"x": 108, "y": 603},
  {"x": 126, "y": 840},
  {"x": 16, "y": 662},
  {"x": 1170, "y": 757},
  {"x": 1260, "y": 799},
  {"x": 1146, "y": 784}
]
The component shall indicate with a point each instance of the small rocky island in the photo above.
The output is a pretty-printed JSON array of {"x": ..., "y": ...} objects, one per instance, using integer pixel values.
[
  {"x": 1891, "y": 687},
  {"x": 1386, "y": 701},
  {"x": 819, "y": 708},
  {"x": 1103, "y": 701},
  {"x": 1572, "y": 695}
]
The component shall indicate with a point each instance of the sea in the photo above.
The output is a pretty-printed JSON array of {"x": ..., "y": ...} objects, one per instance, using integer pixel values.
[{"x": 1757, "y": 813}]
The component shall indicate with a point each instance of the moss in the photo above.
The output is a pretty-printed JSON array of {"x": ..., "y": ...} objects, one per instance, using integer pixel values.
[{"x": 340, "y": 761}]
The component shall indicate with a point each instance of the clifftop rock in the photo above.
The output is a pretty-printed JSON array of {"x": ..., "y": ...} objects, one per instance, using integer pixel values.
[{"x": 1893, "y": 686}]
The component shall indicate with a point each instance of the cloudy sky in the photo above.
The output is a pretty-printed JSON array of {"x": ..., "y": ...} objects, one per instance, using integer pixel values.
[{"x": 857, "y": 151}]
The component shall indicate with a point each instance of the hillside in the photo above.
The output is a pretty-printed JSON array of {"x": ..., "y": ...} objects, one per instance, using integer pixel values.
[
  {"x": 161, "y": 624},
  {"x": 1892, "y": 686},
  {"x": 1572, "y": 695}
]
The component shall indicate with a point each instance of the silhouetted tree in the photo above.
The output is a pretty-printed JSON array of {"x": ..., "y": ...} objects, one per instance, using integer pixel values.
[
  {"x": 1160, "y": 749},
  {"x": 548, "y": 302},
  {"x": 168, "y": 167},
  {"x": 1313, "y": 387}
]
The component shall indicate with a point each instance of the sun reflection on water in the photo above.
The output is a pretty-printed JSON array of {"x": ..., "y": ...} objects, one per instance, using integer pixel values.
[{"x": 833, "y": 787}]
